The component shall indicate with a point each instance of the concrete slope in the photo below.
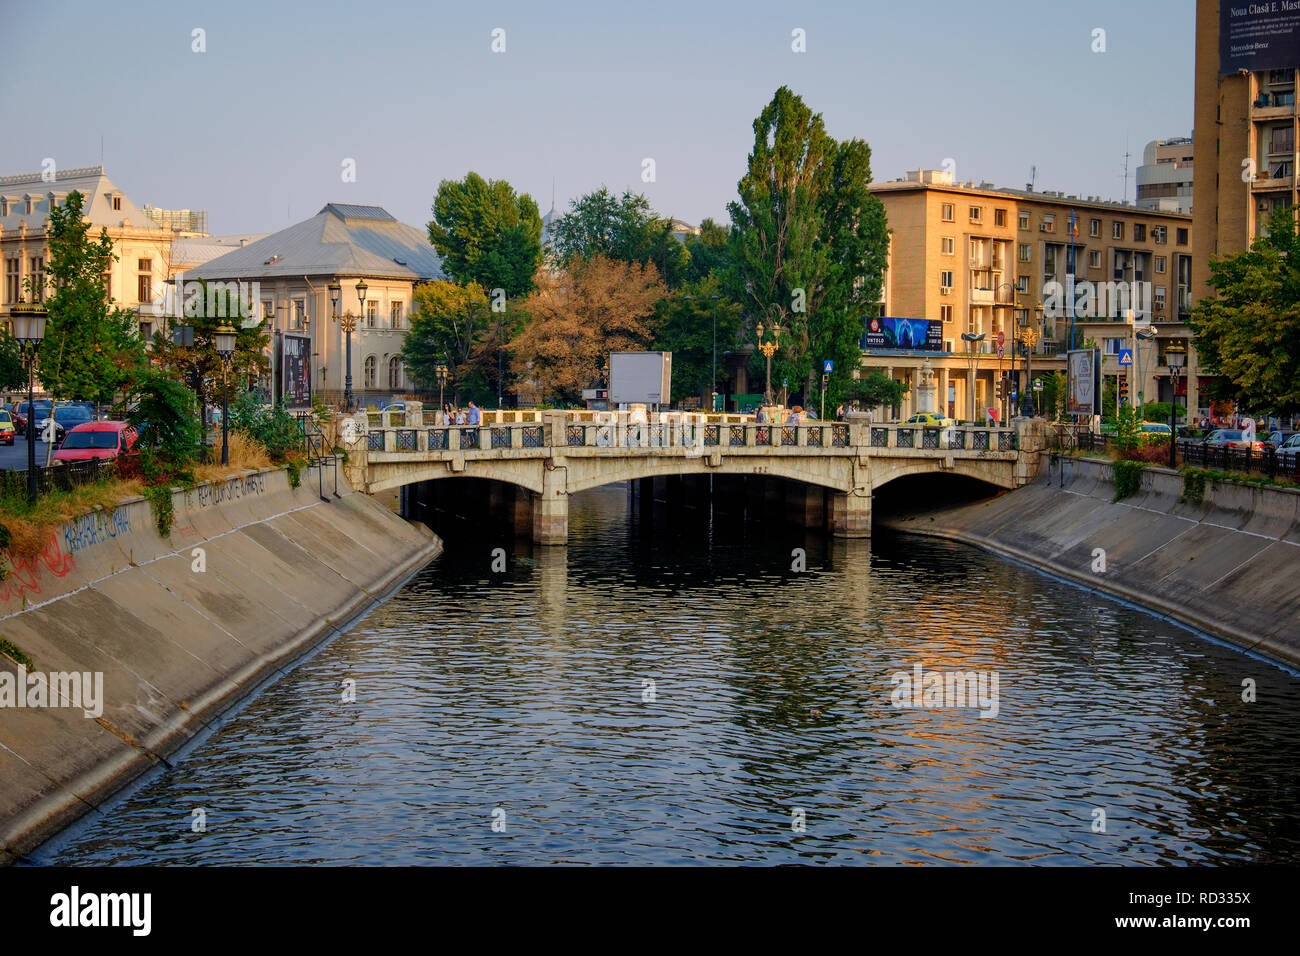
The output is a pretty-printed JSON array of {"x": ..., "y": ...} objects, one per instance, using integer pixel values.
[
  {"x": 253, "y": 574},
  {"x": 1228, "y": 565}
]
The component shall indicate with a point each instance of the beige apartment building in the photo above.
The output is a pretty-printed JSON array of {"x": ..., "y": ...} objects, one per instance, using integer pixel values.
[
  {"x": 1245, "y": 139},
  {"x": 984, "y": 260}
]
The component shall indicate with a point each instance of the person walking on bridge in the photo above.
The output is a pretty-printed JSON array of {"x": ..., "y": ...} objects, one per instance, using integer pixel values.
[{"x": 475, "y": 415}]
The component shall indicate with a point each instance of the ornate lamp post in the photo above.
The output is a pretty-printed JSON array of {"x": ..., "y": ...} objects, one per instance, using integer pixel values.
[
  {"x": 1028, "y": 337},
  {"x": 442, "y": 383},
  {"x": 361, "y": 297},
  {"x": 29, "y": 330},
  {"x": 769, "y": 349},
  {"x": 336, "y": 294},
  {"x": 1175, "y": 358},
  {"x": 1140, "y": 336},
  {"x": 970, "y": 338},
  {"x": 713, "y": 377},
  {"x": 225, "y": 337}
]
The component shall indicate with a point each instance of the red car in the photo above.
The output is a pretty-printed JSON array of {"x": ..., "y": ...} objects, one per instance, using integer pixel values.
[{"x": 97, "y": 440}]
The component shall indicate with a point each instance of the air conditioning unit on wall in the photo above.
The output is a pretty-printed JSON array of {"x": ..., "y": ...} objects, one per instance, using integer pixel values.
[{"x": 945, "y": 290}]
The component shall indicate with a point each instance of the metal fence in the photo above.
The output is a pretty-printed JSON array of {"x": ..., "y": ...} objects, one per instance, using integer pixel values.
[
  {"x": 59, "y": 476},
  {"x": 1199, "y": 454}
]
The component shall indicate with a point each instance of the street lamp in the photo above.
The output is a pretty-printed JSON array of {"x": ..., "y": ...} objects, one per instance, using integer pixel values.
[
  {"x": 970, "y": 338},
  {"x": 336, "y": 296},
  {"x": 1141, "y": 335},
  {"x": 1175, "y": 358},
  {"x": 768, "y": 349},
  {"x": 1014, "y": 305},
  {"x": 442, "y": 384},
  {"x": 225, "y": 337},
  {"x": 29, "y": 330},
  {"x": 713, "y": 377},
  {"x": 1028, "y": 336},
  {"x": 361, "y": 297}
]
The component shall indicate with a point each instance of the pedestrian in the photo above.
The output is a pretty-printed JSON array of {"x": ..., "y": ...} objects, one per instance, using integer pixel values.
[
  {"x": 794, "y": 415},
  {"x": 475, "y": 416},
  {"x": 461, "y": 417},
  {"x": 759, "y": 418},
  {"x": 839, "y": 413}
]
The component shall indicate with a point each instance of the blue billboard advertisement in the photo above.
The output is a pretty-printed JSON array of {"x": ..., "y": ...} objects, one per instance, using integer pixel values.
[
  {"x": 883, "y": 332},
  {"x": 1259, "y": 36}
]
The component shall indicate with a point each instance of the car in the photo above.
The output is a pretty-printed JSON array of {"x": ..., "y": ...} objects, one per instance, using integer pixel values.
[
  {"x": 1289, "y": 453},
  {"x": 1231, "y": 438},
  {"x": 7, "y": 430},
  {"x": 1275, "y": 437},
  {"x": 64, "y": 417},
  {"x": 1155, "y": 428},
  {"x": 929, "y": 420},
  {"x": 97, "y": 440},
  {"x": 21, "y": 414}
]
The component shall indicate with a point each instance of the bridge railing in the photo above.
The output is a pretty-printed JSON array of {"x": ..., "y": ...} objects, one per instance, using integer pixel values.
[{"x": 693, "y": 433}]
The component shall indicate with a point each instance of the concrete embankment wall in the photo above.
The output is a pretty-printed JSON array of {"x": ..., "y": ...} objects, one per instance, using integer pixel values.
[
  {"x": 253, "y": 575},
  {"x": 1228, "y": 565}
]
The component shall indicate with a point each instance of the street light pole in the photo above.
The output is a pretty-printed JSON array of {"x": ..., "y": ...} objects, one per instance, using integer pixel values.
[
  {"x": 29, "y": 329},
  {"x": 1140, "y": 336},
  {"x": 970, "y": 338},
  {"x": 361, "y": 297},
  {"x": 1175, "y": 356},
  {"x": 713, "y": 377},
  {"x": 336, "y": 294},
  {"x": 225, "y": 337},
  {"x": 768, "y": 348}
]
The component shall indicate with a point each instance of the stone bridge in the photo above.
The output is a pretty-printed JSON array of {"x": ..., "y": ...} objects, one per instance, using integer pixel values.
[{"x": 549, "y": 455}]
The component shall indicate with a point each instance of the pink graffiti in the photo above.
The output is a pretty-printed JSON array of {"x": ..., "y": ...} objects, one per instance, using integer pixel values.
[{"x": 26, "y": 570}]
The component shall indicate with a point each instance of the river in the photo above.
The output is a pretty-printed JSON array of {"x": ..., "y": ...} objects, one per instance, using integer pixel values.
[{"x": 685, "y": 694}]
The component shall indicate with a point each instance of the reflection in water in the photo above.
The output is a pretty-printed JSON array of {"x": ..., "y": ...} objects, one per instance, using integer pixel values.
[{"x": 530, "y": 691}]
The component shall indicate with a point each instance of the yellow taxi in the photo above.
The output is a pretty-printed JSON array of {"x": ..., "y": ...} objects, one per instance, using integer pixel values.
[{"x": 7, "y": 429}]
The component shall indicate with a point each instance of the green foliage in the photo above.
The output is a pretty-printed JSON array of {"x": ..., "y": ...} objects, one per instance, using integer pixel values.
[
  {"x": 622, "y": 228},
  {"x": 1127, "y": 477},
  {"x": 685, "y": 328},
  {"x": 874, "y": 390},
  {"x": 1246, "y": 330},
  {"x": 274, "y": 428},
  {"x": 90, "y": 348},
  {"x": 14, "y": 653},
  {"x": 451, "y": 325},
  {"x": 808, "y": 241},
  {"x": 160, "y": 503},
  {"x": 295, "y": 472},
  {"x": 13, "y": 374},
  {"x": 487, "y": 233},
  {"x": 168, "y": 421},
  {"x": 1128, "y": 432},
  {"x": 1194, "y": 484},
  {"x": 1159, "y": 411}
]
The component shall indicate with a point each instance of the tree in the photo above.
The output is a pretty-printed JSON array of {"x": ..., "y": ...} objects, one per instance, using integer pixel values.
[
  {"x": 13, "y": 373},
  {"x": 449, "y": 323},
  {"x": 685, "y": 328},
  {"x": 90, "y": 348},
  {"x": 169, "y": 426},
  {"x": 595, "y": 307},
  {"x": 623, "y": 228},
  {"x": 808, "y": 239},
  {"x": 874, "y": 390},
  {"x": 708, "y": 252},
  {"x": 487, "y": 233},
  {"x": 1246, "y": 329}
]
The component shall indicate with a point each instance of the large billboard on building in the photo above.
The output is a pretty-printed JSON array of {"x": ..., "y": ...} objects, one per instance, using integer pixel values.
[
  {"x": 1083, "y": 393},
  {"x": 297, "y": 370},
  {"x": 882, "y": 332},
  {"x": 1259, "y": 36}
]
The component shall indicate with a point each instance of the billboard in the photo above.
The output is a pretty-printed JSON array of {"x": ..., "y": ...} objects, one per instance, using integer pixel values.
[
  {"x": 1083, "y": 394},
  {"x": 640, "y": 378},
  {"x": 1259, "y": 36},
  {"x": 296, "y": 351},
  {"x": 882, "y": 332}
]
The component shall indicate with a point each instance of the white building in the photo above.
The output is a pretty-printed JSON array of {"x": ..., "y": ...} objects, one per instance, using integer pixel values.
[{"x": 1164, "y": 180}]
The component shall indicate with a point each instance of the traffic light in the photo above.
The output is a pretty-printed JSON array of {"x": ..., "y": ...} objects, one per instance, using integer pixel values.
[{"x": 1123, "y": 390}]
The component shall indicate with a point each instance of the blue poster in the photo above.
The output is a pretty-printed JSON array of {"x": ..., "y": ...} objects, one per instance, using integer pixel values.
[{"x": 883, "y": 332}]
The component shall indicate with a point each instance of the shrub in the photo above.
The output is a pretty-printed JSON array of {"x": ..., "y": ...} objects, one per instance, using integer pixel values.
[
  {"x": 1194, "y": 484},
  {"x": 295, "y": 473},
  {"x": 273, "y": 428},
  {"x": 170, "y": 432},
  {"x": 1128, "y": 478},
  {"x": 1151, "y": 452},
  {"x": 160, "y": 503}
]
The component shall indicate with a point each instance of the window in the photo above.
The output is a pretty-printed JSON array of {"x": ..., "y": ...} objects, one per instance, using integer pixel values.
[
  {"x": 372, "y": 313},
  {"x": 394, "y": 372},
  {"x": 999, "y": 217},
  {"x": 1022, "y": 285},
  {"x": 947, "y": 212},
  {"x": 4, "y": 205},
  {"x": 1049, "y": 223},
  {"x": 1117, "y": 230},
  {"x": 13, "y": 277},
  {"x": 1112, "y": 346},
  {"x": 947, "y": 246},
  {"x": 976, "y": 213},
  {"x": 395, "y": 317},
  {"x": 299, "y": 314},
  {"x": 945, "y": 313},
  {"x": 1026, "y": 252},
  {"x": 1160, "y": 264},
  {"x": 1160, "y": 298},
  {"x": 976, "y": 252},
  {"x": 38, "y": 278},
  {"x": 1282, "y": 139},
  {"x": 117, "y": 203},
  {"x": 268, "y": 312},
  {"x": 1182, "y": 237},
  {"x": 370, "y": 371},
  {"x": 1094, "y": 227},
  {"x": 1139, "y": 232},
  {"x": 144, "y": 281},
  {"x": 945, "y": 280},
  {"x": 1160, "y": 234},
  {"x": 146, "y": 330},
  {"x": 1094, "y": 259},
  {"x": 1024, "y": 220}
]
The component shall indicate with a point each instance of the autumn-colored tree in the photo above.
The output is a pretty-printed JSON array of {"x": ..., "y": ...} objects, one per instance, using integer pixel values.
[{"x": 596, "y": 306}]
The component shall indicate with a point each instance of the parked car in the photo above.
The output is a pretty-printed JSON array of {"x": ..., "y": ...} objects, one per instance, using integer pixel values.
[
  {"x": 1231, "y": 438},
  {"x": 1289, "y": 453},
  {"x": 1155, "y": 428},
  {"x": 7, "y": 430},
  {"x": 21, "y": 414},
  {"x": 97, "y": 440},
  {"x": 1276, "y": 437},
  {"x": 929, "y": 420},
  {"x": 64, "y": 417}
]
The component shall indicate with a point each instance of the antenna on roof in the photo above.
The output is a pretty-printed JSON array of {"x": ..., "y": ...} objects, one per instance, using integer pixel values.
[
  {"x": 1124, "y": 197},
  {"x": 1033, "y": 177},
  {"x": 101, "y": 152}
]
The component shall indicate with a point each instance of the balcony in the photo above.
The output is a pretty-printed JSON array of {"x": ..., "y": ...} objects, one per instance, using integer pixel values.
[
  {"x": 1267, "y": 183},
  {"x": 981, "y": 296}
]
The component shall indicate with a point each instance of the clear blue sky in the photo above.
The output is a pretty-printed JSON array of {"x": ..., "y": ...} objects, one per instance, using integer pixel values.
[{"x": 255, "y": 129}]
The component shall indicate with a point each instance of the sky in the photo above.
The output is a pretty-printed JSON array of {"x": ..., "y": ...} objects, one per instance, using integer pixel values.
[{"x": 259, "y": 128}]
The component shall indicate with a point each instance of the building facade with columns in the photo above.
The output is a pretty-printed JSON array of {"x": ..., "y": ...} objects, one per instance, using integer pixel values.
[
  {"x": 992, "y": 261},
  {"x": 287, "y": 276}
]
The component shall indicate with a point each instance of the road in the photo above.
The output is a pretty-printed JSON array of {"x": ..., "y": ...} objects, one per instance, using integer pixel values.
[{"x": 15, "y": 456}]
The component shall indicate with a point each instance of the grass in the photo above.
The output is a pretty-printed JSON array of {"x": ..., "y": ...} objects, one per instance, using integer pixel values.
[
  {"x": 245, "y": 453},
  {"x": 30, "y": 527},
  {"x": 14, "y": 653}
]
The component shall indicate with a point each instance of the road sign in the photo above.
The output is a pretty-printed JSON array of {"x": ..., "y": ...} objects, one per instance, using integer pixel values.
[
  {"x": 1125, "y": 356},
  {"x": 1002, "y": 337},
  {"x": 828, "y": 366},
  {"x": 1038, "y": 385},
  {"x": 999, "y": 346}
]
